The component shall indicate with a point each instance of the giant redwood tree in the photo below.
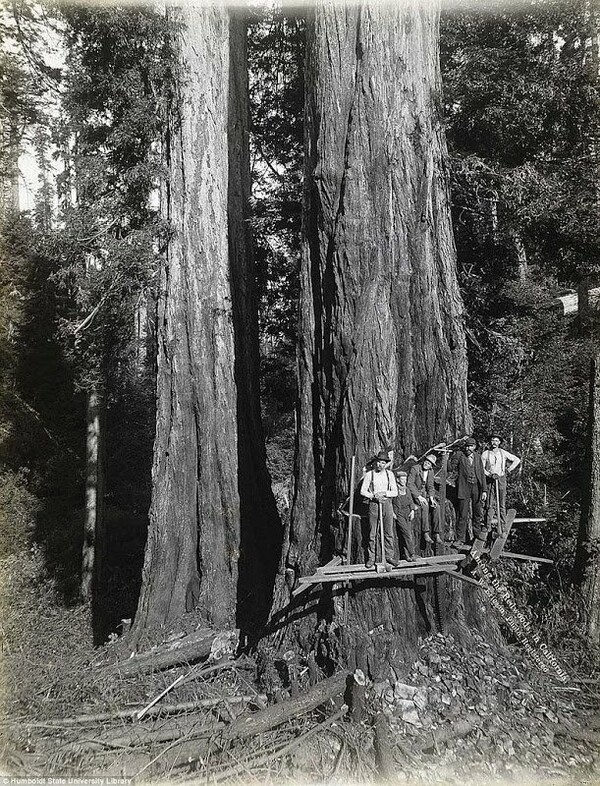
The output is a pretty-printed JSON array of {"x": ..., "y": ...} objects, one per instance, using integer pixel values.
[
  {"x": 382, "y": 355},
  {"x": 211, "y": 495}
]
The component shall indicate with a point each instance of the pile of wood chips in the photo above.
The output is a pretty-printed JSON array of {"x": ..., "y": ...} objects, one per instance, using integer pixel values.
[
  {"x": 191, "y": 708},
  {"x": 483, "y": 713}
]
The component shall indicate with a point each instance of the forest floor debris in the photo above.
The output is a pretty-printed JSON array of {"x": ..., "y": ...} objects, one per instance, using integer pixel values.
[{"x": 456, "y": 714}]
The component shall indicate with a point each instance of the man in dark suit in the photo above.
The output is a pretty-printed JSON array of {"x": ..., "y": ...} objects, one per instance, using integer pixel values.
[{"x": 471, "y": 488}]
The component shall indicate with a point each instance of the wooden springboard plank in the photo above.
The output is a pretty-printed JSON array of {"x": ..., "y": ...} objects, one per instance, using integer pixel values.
[
  {"x": 529, "y": 557},
  {"x": 419, "y": 562},
  {"x": 499, "y": 543},
  {"x": 302, "y": 586},
  {"x": 370, "y": 574},
  {"x": 458, "y": 575}
]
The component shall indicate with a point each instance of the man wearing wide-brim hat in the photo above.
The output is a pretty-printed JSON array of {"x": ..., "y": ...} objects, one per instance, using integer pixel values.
[
  {"x": 471, "y": 489},
  {"x": 379, "y": 488},
  {"x": 497, "y": 463},
  {"x": 420, "y": 485}
]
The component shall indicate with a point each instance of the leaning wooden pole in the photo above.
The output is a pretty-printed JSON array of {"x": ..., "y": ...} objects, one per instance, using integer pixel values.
[
  {"x": 443, "y": 479},
  {"x": 349, "y": 535},
  {"x": 350, "y": 512}
]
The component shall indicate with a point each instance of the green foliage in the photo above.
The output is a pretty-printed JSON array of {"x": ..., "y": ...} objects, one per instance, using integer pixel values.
[
  {"x": 276, "y": 60},
  {"x": 72, "y": 285},
  {"x": 35, "y": 389},
  {"x": 19, "y": 99},
  {"x": 276, "y": 42},
  {"x": 522, "y": 105},
  {"x": 117, "y": 67},
  {"x": 18, "y": 508}
]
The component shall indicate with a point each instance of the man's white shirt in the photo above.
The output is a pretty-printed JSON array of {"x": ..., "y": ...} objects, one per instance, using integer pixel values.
[
  {"x": 494, "y": 461},
  {"x": 379, "y": 482}
]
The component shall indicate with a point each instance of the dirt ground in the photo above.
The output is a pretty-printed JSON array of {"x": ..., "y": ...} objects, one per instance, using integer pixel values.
[{"x": 455, "y": 715}]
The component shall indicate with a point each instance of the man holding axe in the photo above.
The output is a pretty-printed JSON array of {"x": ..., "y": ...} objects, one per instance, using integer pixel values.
[
  {"x": 497, "y": 463},
  {"x": 379, "y": 488}
]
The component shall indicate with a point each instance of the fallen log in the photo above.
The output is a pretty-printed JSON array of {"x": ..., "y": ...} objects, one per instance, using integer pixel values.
[
  {"x": 267, "y": 719},
  {"x": 173, "y": 732},
  {"x": 164, "y": 709},
  {"x": 195, "y": 673},
  {"x": 458, "y": 729},
  {"x": 185, "y": 651},
  {"x": 176, "y": 729},
  {"x": 267, "y": 758}
]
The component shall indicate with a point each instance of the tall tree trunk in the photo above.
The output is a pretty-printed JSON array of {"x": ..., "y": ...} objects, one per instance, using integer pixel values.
[
  {"x": 260, "y": 528},
  {"x": 93, "y": 527},
  {"x": 10, "y": 141},
  {"x": 382, "y": 354},
  {"x": 586, "y": 571},
  {"x": 587, "y": 563},
  {"x": 583, "y": 306},
  {"x": 193, "y": 539}
]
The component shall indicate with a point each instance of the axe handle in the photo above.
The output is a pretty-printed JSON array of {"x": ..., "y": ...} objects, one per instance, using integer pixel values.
[
  {"x": 499, "y": 527},
  {"x": 381, "y": 534}
]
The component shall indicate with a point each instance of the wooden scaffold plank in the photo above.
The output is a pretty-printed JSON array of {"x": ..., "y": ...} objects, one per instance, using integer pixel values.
[
  {"x": 498, "y": 544},
  {"x": 418, "y": 562},
  {"x": 369, "y": 574}
]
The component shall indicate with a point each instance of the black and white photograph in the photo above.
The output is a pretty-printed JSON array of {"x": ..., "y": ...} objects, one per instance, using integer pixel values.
[{"x": 300, "y": 392}]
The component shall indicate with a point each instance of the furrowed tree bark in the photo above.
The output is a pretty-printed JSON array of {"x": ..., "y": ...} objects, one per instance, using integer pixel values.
[
  {"x": 193, "y": 538},
  {"x": 382, "y": 354},
  {"x": 214, "y": 537},
  {"x": 260, "y": 527}
]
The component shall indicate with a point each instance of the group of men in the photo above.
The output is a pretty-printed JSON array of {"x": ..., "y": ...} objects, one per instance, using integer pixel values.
[{"x": 409, "y": 498}]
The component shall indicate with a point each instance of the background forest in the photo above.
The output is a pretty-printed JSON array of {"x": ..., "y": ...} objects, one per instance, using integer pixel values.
[
  {"x": 79, "y": 269},
  {"x": 84, "y": 91}
]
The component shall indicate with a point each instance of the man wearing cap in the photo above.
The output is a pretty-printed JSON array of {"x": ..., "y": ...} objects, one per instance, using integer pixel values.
[
  {"x": 471, "y": 489},
  {"x": 404, "y": 513},
  {"x": 379, "y": 488},
  {"x": 420, "y": 486},
  {"x": 497, "y": 463}
]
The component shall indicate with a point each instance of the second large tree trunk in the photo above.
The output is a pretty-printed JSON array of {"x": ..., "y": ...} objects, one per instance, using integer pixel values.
[
  {"x": 382, "y": 353},
  {"x": 214, "y": 539},
  {"x": 193, "y": 538}
]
